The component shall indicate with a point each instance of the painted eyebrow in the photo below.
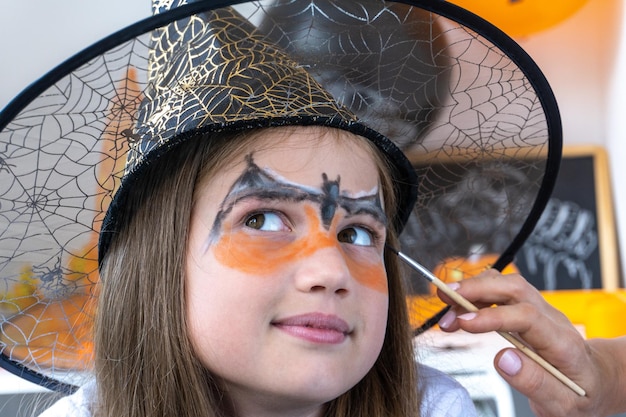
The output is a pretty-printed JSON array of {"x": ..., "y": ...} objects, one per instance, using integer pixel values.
[
  {"x": 256, "y": 183},
  {"x": 369, "y": 205}
]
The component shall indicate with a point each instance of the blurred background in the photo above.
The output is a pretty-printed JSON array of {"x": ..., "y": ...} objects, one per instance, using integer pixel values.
[{"x": 579, "y": 44}]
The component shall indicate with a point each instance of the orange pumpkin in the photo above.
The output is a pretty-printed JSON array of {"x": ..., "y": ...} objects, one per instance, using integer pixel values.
[
  {"x": 424, "y": 306},
  {"x": 458, "y": 268}
]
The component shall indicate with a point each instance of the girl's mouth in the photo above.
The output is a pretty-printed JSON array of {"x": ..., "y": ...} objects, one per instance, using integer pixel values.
[{"x": 315, "y": 327}]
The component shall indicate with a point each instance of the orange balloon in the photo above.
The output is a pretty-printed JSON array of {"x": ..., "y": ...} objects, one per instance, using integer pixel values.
[{"x": 519, "y": 18}]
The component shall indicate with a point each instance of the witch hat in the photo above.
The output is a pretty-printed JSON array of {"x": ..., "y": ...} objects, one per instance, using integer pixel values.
[{"x": 471, "y": 111}]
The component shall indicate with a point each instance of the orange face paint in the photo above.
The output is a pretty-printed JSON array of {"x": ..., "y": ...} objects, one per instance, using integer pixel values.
[
  {"x": 265, "y": 253},
  {"x": 259, "y": 255}
]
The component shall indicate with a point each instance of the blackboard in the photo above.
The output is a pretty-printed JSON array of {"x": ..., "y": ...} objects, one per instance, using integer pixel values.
[
  {"x": 472, "y": 208},
  {"x": 574, "y": 245}
]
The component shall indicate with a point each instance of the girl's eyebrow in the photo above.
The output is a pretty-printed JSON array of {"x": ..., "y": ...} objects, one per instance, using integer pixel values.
[
  {"x": 260, "y": 184},
  {"x": 369, "y": 205}
]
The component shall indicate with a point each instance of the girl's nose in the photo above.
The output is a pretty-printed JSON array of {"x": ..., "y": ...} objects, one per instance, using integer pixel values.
[{"x": 324, "y": 270}]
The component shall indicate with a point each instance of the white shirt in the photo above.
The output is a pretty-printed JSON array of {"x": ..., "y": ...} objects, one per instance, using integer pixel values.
[{"x": 442, "y": 396}]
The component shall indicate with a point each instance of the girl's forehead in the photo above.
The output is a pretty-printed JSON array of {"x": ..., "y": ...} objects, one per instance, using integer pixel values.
[{"x": 304, "y": 154}]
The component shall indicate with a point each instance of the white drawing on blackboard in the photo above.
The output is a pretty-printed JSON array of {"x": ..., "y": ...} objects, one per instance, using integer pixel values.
[{"x": 563, "y": 239}]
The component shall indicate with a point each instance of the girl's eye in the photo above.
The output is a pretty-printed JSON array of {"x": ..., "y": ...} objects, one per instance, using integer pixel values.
[
  {"x": 356, "y": 236},
  {"x": 266, "y": 221}
]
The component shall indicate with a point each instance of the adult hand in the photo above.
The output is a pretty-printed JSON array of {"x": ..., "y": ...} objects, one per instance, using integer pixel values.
[{"x": 598, "y": 366}]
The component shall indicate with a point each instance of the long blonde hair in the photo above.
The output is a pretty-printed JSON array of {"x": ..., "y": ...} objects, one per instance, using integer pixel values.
[{"x": 145, "y": 364}]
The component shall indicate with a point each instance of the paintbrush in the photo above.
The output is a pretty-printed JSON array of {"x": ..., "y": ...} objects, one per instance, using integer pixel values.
[{"x": 466, "y": 304}]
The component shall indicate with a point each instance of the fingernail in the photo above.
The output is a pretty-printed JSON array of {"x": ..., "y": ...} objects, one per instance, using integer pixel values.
[
  {"x": 510, "y": 363},
  {"x": 468, "y": 316},
  {"x": 454, "y": 286},
  {"x": 447, "y": 319}
]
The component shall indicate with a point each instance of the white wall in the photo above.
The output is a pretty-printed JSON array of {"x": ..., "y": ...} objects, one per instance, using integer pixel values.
[
  {"x": 37, "y": 35},
  {"x": 583, "y": 58}
]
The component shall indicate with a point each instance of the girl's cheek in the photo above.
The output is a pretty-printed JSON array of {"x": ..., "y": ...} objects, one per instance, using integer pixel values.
[
  {"x": 254, "y": 255},
  {"x": 372, "y": 275}
]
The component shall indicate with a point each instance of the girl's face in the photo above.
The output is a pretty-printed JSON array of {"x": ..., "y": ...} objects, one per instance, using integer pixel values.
[{"x": 286, "y": 285}]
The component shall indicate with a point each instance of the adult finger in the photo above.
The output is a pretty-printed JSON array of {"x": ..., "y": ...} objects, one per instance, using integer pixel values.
[
  {"x": 547, "y": 395},
  {"x": 492, "y": 287}
]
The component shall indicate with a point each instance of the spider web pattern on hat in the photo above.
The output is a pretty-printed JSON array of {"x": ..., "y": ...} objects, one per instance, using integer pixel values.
[
  {"x": 191, "y": 57},
  {"x": 471, "y": 110}
]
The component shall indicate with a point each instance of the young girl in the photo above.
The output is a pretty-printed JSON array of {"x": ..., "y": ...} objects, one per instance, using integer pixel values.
[
  {"x": 264, "y": 287},
  {"x": 243, "y": 216},
  {"x": 243, "y": 267}
]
